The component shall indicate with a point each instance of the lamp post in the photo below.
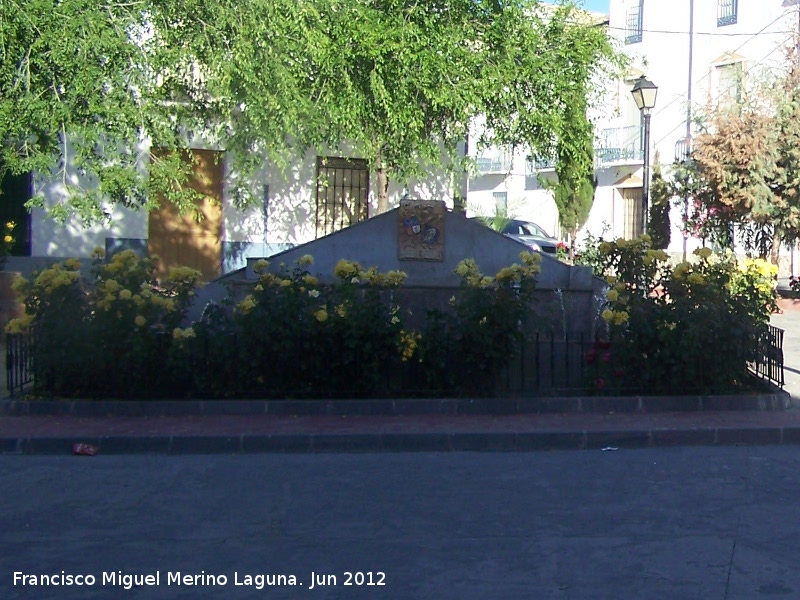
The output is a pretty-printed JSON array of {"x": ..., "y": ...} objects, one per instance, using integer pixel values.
[{"x": 644, "y": 94}]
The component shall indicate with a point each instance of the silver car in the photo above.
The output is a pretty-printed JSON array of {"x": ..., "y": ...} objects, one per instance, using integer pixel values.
[{"x": 532, "y": 235}]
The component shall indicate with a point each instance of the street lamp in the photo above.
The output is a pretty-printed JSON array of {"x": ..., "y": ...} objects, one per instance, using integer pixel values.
[{"x": 644, "y": 94}]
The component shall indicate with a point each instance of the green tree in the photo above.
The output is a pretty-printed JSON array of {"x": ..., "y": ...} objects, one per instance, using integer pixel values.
[
  {"x": 77, "y": 98},
  {"x": 660, "y": 196},
  {"x": 396, "y": 81},
  {"x": 744, "y": 173}
]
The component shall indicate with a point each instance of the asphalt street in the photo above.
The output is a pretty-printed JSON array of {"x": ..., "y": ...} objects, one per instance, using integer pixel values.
[{"x": 698, "y": 522}]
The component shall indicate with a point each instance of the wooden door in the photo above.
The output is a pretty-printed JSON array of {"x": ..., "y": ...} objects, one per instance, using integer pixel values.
[{"x": 192, "y": 240}]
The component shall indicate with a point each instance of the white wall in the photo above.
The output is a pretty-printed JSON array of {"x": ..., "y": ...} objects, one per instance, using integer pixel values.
[
  {"x": 283, "y": 215},
  {"x": 759, "y": 37}
]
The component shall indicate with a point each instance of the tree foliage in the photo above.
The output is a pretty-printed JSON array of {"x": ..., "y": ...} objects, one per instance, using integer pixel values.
[
  {"x": 744, "y": 172},
  {"x": 77, "y": 100},
  {"x": 658, "y": 226},
  {"x": 395, "y": 81}
]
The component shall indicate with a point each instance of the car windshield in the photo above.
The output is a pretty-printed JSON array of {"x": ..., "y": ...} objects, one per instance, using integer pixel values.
[{"x": 523, "y": 228}]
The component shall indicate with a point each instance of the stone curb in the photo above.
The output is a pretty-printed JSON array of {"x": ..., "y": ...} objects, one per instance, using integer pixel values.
[
  {"x": 412, "y": 442},
  {"x": 776, "y": 400}
]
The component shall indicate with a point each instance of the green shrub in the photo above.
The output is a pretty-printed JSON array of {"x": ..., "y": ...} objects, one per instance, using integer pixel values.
[
  {"x": 108, "y": 336},
  {"x": 687, "y": 329},
  {"x": 464, "y": 350}
]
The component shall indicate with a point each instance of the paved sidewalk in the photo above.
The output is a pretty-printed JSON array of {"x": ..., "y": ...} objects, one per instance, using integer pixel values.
[{"x": 436, "y": 430}]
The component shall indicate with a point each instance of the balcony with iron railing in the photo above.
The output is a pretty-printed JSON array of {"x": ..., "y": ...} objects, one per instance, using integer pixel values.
[
  {"x": 497, "y": 161},
  {"x": 619, "y": 145}
]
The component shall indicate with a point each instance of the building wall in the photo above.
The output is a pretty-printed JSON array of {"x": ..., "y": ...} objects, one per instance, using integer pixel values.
[
  {"x": 283, "y": 217},
  {"x": 758, "y": 40}
]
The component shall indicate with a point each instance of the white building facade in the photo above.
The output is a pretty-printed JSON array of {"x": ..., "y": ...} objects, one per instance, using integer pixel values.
[{"x": 699, "y": 53}]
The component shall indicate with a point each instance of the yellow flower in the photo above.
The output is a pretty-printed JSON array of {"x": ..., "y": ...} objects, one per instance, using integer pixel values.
[
  {"x": 506, "y": 274},
  {"x": 321, "y": 315},
  {"x": 346, "y": 269},
  {"x": 183, "y": 334},
  {"x": 696, "y": 278},
  {"x": 248, "y": 304},
  {"x": 18, "y": 325},
  {"x": 341, "y": 310},
  {"x": 8, "y": 239},
  {"x": 305, "y": 260},
  {"x": 310, "y": 280},
  {"x": 530, "y": 258},
  {"x": 646, "y": 238},
  {"x": 98, "y": 252},
  {"x": 620, "y": 317},
  {"x": 185, "y": 275},
  {"x": 72, "y": 263},
  {"x": 466, "y": 267},
  {"x": 140, "y": 321},
  {"x": 260, "y": 266},
  {"x": 703, "y": 252},
  {"x": 286, "y": 282},
  {"x": 20, "y": 284},
  {"x": 125, "y": 295},
  {"x": 612, "y": 295},
  {"x": 611, "y": 279},
  {"x": 395, "y": 278},
  {"x": 607, "y": 315},
  {"x": 313, "y": 293},
  {"x": 680, "y": 271},
  {"x": 111, "y": 286}
]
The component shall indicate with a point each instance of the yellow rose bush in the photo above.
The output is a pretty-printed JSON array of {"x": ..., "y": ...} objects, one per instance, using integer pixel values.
[
  {"x": 116, "y": 330},
  {"x": 300, "y": 337},
  {"x": 482, "y": 328},
  {"x": 115, "y": 320},
  {"x": 682, "y": 329}
]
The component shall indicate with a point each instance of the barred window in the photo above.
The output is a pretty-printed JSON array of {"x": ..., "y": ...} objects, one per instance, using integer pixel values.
[
  {"x": 726, "y": 12},
  {"x": 633, "y": 24},
  {"x": 342, "y": 191}
]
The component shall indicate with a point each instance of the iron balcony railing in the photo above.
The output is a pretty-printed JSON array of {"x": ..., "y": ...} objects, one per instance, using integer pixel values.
[
  {"x": 497, "y": 162},
  {"x": 620, "y": 145}
]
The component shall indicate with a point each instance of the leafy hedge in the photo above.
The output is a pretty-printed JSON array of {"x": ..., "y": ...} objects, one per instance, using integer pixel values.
[{"x": 120, "y": 333}]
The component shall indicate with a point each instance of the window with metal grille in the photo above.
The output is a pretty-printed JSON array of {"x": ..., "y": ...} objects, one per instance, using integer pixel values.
[
  {"x": 726, "y": 12},
  {"x": 632, "y": 227},
  {"x": 633, "y": 24},
  {"x": 342, "y": 191},
  {"x": 500, "y": 203}
]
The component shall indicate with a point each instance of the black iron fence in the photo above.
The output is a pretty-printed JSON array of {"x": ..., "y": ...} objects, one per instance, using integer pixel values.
[
  {"x": 767, "y": 360},
  {"x": 548, "y": 364},
  {"x": 19, "y": 360}
]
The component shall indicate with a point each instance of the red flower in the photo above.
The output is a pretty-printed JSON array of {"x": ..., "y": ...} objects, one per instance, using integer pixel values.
[
  {"x": 590, "y": 357},
  {"x": 600, "y": 383},
  {"x": 602, "y": 344}
]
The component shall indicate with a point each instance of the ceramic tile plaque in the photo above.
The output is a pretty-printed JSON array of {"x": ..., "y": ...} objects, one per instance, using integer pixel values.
[{"x": 421, "y": 229}]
